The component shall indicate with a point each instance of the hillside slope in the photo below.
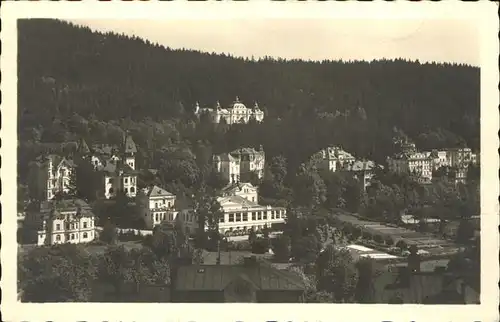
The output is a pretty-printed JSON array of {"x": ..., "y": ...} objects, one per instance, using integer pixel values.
[{"x": 65, "y": 69}]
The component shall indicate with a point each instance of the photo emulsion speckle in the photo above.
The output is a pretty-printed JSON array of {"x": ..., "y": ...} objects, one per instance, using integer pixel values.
[{"x": 250, "y": 160}]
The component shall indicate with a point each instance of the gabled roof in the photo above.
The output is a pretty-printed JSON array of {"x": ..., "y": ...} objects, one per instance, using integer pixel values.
[
  {"x": 250, "y": 151},
  {"x": 361, "y": 166},
  {"x": 83, "y": 147},
  {"x": 236, "y": 187},
  {"x": 155, "y": 191},
  {"x": 334, "y": 153},
  {"x": 68, "y": 162},
  {"x": 225, "y": 157},
  {"x": 103, "y": 149},
  {"x": 218, "y": 277},
  {"x": 56, "y": 160},
  {"x": 66, "y": 205},
  {"x": 115, "y": 167},
  {"x": 232, "y": 200}
]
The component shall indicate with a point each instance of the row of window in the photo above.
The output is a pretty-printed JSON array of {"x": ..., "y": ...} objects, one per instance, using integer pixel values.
[
  {"x": 255, "y": 215},
  {"x": 159, "y": 216},
  {"x": 160, "y": 204},
  {"x": 125, "y": 180},
  {"x": 72, "y": 236},
  {"x": 126, "y": 190},
  {"x": 74, "y": 225}
]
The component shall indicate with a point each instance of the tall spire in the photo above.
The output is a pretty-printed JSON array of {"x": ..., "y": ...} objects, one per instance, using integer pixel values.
[
  {"x": 82, "y": 147},
  {"x": 129, "y": 146}
]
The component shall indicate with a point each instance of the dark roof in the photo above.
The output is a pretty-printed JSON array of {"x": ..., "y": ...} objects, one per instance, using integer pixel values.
[
  {"x": 217, "y": 277},
  {"x": 426, "y": 287},
  {"x": 232, "y": 188},
  {"x": 66, "y": 205},
  {"x": 104, "y": 149},
  {"x": 129, "y": 145},
  {"x": 115, "y": 167},
  {"x": 83, "y": 147},
  {"x": 56, "y": 160},
  {"x": 154, "y": 191}
]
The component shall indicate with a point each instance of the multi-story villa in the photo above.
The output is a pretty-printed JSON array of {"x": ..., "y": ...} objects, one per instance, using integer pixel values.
[
  {"x": 241, "y": 212},
  {"x": 461, "y": 174},
  {"x": 363, "y": 170},
  {"x": 228, "y": 166},
  {"x": 461, "y": 156},
  {"x": 440, "y": 159},
  {"x": 155, "y": 205},
  {"x": 236, "y": 113},
  {"x": 245, "y": 190},
  {"x": 420, "y": 164},
  {"x": 119, "y": 172},
  {"x": 49, "y": 175},
  {"x": 334, "y": 159},
  {"x": 62, "y": 221},
  {"x": 251, "y": 161},
  {"x": 235, "y": 164},
  {"x": 118, "y": 177},
  {"x": 242, "y": 215}
]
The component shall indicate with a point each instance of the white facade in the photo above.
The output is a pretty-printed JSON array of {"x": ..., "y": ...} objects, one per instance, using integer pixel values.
[
  {"x": 418, "y": 163},
  {"x": 241, "y": 161},
  {"x": 241, "y": 212},
  {"x": 363, "y": 170},
  {"x": 156, "y": 205},
  {"x": 228, "y": 166},
  {"x": 50, "y": 175},
  {"x": 241, "y": 216},
  {"x": 245, "y": 190},
  {"x": 121, "y": 181},
  {"x": 96, "y": 161},
  {"x": 334, "y": 159},
  {"x": 62, "y": 222},
  {"x": 251, "y": 160},
  {"x": 237, "y": 113}
]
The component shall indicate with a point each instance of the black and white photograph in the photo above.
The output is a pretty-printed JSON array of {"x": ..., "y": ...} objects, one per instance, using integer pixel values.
[{"x": 252, "y": 159}]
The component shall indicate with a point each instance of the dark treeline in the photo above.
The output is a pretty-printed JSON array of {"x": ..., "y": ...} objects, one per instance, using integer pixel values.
[{"x": 75, "y": 82}]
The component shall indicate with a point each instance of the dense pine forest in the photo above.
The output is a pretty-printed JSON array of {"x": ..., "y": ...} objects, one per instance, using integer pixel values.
[{"x": 74, "y": 82}]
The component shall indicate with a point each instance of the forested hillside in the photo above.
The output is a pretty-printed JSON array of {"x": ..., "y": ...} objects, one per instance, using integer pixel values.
[{"x": 74, "y": 82}]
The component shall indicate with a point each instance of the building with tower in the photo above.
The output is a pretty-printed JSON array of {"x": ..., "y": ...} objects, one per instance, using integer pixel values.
[
  {"x": 118, "y": 170},
  {"x": 50, "y": 175},
  {"x": 236, "y": 113}
]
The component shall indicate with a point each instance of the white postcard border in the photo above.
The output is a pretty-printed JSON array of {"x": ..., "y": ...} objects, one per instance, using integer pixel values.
[{"x": 483, "y": 13}]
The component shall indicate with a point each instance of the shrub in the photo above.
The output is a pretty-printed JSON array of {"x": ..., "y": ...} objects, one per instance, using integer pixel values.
[
  {"x": 260, "y": 246},
  {"x": 356, "y": 232},
  {"x": 402, "y": 245},
  {"x": 109, "y": 234},
  {"x": 389, "y": 241},
  {"x": 378, "y": 239}
]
